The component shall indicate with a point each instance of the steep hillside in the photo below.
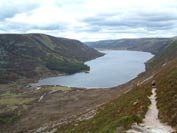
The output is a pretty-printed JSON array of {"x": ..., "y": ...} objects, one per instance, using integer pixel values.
[
  {"x": 165, "y": 56},
  {"x": 30, "y": 55},
  {"x": 165, "y": 65},
  {"x": 153, "y": 45}
]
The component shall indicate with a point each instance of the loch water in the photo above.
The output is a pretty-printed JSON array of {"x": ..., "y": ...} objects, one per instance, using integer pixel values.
[{"x": 114, "y": 68}]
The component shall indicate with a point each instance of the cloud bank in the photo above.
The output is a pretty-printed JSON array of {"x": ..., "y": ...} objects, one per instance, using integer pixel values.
[{"x": 90, "y": 20}]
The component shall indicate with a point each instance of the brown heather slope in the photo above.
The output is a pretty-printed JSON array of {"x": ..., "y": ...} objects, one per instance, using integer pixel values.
[{"x": 60, "y": 105}]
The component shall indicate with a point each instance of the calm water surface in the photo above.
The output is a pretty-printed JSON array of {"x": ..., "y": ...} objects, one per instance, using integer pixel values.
[{"x": 115, "y": 68}]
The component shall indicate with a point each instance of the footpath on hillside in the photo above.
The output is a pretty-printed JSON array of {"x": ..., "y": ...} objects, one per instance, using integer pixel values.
[{"x": 151, "y": 123}]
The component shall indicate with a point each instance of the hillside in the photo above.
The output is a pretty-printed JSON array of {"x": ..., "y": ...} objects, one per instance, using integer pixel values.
[
  {"x": 165, "y": 65},
  {"x": 34, "y": 55},
  {"x": 165, "y": 56},
  {"x": 153, "y": 45}
]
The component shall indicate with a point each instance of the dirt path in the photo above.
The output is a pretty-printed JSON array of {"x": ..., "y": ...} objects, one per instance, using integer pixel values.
[{"x": 151, "y": 123}]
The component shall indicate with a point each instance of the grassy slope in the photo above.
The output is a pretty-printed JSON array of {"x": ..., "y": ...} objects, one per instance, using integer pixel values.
[
  {"x": 32, "y": 55},
  {"x": 167, "y": 83},
  {"x": 131, "y": 107},
  {"x": 167, "y": 94},
  {"x": 166, "y": 63},
  {"x": 168, "y": 54}
]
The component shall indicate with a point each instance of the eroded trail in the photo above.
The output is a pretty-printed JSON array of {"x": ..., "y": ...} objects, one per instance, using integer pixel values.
[{"x": 151, "y": 123}]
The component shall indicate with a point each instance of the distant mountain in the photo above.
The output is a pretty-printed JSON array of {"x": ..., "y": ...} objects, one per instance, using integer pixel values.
[
  {"x": 153, "y": 45},
  {"x": 30, "y": 55}
]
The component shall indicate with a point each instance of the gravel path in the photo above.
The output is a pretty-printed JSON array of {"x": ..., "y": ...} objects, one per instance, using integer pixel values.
[{"x": 151, "y": 123}]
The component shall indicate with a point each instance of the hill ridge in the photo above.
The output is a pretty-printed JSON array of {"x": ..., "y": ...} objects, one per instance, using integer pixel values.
[
  {"x": 153, "y": 45},
  {"x": 39, "y": 53}
]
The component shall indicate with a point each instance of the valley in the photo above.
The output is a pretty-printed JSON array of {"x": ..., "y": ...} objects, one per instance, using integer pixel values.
[
  {"x": 88, "y": 66},
  {"x": 77, "y": 110}
]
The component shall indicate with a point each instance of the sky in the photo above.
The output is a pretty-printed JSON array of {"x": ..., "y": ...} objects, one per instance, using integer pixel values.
[{"x": 90, "y": 20}]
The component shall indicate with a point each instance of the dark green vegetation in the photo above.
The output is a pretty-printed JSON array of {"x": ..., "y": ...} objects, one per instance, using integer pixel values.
[
  {"x": 34, "y": 55},
  {"x": 12, "y": 104},
  {"x": 153, "y": 45},
  {"x": 8, "y": 118}
]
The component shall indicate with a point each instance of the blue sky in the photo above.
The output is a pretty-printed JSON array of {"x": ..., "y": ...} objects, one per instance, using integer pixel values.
[{"x": 90, "y": 20}]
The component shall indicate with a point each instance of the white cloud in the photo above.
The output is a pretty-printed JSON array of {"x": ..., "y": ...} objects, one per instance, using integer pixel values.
[{"x": 108, "y": 19}]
